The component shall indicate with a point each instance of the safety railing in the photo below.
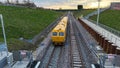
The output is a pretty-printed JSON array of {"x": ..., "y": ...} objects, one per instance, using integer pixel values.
[
  {"x": 116, "y": 32},
  {"x": 96, "y": 12}
]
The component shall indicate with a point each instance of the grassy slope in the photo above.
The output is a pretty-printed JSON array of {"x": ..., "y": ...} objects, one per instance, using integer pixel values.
[
  {"x": 83, "y": 12},
  {"x": 24, "y": 22},
  {"x": 110, "y": 18}
]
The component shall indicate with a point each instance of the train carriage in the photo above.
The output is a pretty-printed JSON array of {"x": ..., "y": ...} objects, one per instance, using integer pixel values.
[{"x": 59, "y": 32}]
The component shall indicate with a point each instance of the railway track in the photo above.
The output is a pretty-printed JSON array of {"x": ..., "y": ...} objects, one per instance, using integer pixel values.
[
  {"x": 86, "y": 41},
  {"x": 57, "y": 56},
  {"x": 76, "y": 56},
  {"x": 46, "y": 57},
  {"x": 64, "y": 60},
  {"x": 88, "y": 56},
  {"x": 76, "y": 53}
]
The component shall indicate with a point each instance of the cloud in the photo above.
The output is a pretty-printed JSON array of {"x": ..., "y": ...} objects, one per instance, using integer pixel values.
[
  {"x": 70, "y": 3},
  {"x": 64, "y": 4}
]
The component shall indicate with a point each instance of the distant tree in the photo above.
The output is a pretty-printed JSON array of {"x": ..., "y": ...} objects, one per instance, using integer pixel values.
[
  {"x": 60, "y": 8},
  {"x": 8, "y": 1},
  {"x": 28, "y": 1},
  {"x": 24, "y": 1},
  {"x": 0, "y": 2},
  {"x": 17, "y": 2},
  {"x": 12, "y": 1},
  {"x": 30, "y": 4}
]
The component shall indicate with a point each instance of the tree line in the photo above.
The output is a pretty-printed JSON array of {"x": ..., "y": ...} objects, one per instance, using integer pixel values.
[
  {"x": 26, "y": 3},
  {"x": 17, "y": 1}
]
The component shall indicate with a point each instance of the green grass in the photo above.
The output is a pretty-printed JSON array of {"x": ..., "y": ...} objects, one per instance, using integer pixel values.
[
  {"x": 24, "y": 22},
  {"x": 83, "y": 12},
  {"x": 110, "y": 18},
  {"x": 20, "y": 45}
]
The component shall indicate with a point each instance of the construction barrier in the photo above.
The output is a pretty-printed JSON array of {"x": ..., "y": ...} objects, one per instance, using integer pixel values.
[
  {"x": 118, "y": 50},
  {"x": 107, "y": 46},
  {"x": 113, "y": 49}
]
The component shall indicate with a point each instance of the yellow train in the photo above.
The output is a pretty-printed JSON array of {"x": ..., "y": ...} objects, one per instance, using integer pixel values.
[{"x": 59, "y": 32}]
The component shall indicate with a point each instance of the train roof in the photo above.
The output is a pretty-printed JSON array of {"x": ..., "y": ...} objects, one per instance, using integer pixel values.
[
  {"x": 65, "y": 19},
  {"x": 61, "y": 26}
]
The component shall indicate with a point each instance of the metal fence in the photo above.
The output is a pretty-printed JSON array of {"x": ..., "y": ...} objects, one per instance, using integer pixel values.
[
  {"x": 116, "y": 32},
  {"x": 110, "y": 33},
  {"x": 96, "y": 12}
]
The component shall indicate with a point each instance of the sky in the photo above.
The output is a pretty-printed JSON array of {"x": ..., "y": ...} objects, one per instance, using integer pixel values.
[{"x": 70, "y": 4}]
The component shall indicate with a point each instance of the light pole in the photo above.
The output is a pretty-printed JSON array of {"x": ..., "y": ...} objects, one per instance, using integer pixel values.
[
  {"x": 98, "y": 12},
  {"x": 3, "y": 29}
]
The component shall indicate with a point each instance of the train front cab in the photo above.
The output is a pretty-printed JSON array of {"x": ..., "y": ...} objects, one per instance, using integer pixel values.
[{"x": 58, "y": 38}]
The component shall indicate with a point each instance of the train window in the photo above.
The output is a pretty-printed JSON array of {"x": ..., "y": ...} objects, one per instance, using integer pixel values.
[
  {"x": 61, "y": 34},
  {"x": 54, "y": 33}
]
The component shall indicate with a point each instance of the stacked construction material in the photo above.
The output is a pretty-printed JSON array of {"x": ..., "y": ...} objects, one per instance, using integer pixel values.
[{"x": 107, "y": 46}]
